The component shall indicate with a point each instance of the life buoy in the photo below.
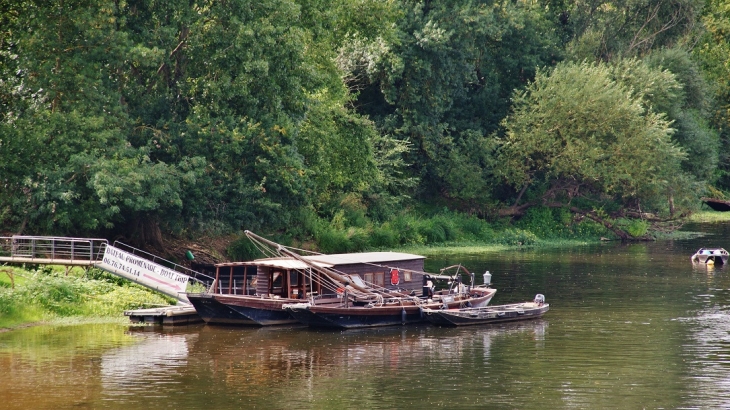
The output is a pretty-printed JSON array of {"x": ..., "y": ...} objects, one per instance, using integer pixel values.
[{"x": 394, "y": 277}]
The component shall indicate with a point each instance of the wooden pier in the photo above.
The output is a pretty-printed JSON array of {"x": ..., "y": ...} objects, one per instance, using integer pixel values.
[
  {"x": 122, "y": 260},
  {"x": 167, "y": 315}
]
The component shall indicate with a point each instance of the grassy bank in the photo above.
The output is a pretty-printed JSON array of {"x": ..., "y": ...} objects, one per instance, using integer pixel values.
[
  {"x": 51, "y": 293},
  {"x": 709, "y": 217}
]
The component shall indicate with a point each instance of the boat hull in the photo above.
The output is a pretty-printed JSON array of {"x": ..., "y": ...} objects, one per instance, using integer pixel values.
[
  {"x": 241, "y": 310},
  {"x": 711, "y": 256},
  {"x": 486, "y": 315},
  {"x": 356, "y": 317},
  {"x": 717, "y": 260}
]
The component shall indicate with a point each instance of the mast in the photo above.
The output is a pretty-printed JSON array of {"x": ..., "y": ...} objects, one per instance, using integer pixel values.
[{"x": 338, "y": 279}]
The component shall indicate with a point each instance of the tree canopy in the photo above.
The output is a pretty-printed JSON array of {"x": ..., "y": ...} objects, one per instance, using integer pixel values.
[{"x": 138, "y": 119}]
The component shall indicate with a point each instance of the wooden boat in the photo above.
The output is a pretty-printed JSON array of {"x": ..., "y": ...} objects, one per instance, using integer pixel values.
[
  {"x": 393, "y": 309},
  {"x": 253, "y": 293},
  {"x": 711, "y": 256},
  {"x": 392, "y": 312},
  {"x": 374, "y": 291},
  {"x": 488, "y": 314}
]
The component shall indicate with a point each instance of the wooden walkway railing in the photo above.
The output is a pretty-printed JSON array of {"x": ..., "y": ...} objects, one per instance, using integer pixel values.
[
  {"x": 122, "y": 260},
  {"x": 51, "y": 250}
]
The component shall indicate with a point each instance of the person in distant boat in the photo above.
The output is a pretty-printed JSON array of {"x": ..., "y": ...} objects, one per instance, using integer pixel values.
[
  {"x": 252, "y": 286},
  {"x": 429, "y": 288}
]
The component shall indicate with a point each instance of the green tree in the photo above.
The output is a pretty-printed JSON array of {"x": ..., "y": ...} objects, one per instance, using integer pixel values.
[
  {"x": 628, "y": 28},
  {"x": 576, "y": 131},
  {"x": 713, "y": 53},
  {"x": 60, "y": 112},
  {"x": 133, "y": 117},
  {"x": 688, "y": 106},
  {"x": 442, "y": 83}
]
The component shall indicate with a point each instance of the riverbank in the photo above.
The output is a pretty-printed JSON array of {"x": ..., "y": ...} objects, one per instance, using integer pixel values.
[
  {"x": 51, "y": 295},
  {"x": 474, "y": 248}
]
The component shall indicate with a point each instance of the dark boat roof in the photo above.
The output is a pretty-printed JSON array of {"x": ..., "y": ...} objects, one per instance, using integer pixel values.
[
  {"x": 717, "y": 204},
  {"x": 328, "y": 260}
]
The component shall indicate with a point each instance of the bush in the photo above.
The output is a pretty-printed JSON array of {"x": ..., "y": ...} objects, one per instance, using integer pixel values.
[
  {"x": 637, "y": 227},
  {"x": 516, "y": 237},
  {"x": 119, "y": 299},
  {"x": 547, "y": 222},
  {"x": 384, "y": 236},
  {"x": 242, "y": 249},
  {"x": 332, "y": 241},
  {"x": 477, "y": 228},
  {"x": 432, "y": 231},
  {"x": 47, "y": 293},
  {"x": 406, "y": 226}
]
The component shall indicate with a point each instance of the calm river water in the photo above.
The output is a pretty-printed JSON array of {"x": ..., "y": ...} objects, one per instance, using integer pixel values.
[{"x": 630, "y": 326}]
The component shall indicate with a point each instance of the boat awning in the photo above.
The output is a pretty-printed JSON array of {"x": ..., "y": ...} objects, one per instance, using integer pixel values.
[
  {"x": 280, "y": 263},
  {"x": 328, "y": 261},
  {"x": 363, "y": 257}
]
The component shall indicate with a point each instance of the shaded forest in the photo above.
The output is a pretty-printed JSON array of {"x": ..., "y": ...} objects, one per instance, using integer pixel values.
[{"x": 345, "y": 124}]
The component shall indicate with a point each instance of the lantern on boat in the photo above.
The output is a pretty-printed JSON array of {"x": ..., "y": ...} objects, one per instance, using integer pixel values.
[{"x": 487, "y": 278}]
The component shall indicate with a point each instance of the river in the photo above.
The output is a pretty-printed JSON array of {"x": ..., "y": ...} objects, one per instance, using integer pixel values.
[{"x": 630, "y": 326}]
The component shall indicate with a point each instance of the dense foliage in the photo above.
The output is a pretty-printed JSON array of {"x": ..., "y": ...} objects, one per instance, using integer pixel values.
[{"x": 358, "y": 123}]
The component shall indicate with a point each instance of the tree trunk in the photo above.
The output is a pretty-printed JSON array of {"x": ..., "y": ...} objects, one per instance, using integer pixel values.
[{"x": 146, "y": 232}]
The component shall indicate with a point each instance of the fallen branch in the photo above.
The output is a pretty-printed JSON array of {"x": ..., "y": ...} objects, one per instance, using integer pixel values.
[{"x": 611, "y": 227}]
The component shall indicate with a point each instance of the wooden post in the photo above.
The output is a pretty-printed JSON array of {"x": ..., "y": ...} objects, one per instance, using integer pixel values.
[{"x": 11, "y": 276}]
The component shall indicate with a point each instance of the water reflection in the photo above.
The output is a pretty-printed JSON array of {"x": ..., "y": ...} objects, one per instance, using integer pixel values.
[
  {"x": 707, "y": 351},
  {"x": 55, "y": 367},
  {"x": 155, "y": 359}
]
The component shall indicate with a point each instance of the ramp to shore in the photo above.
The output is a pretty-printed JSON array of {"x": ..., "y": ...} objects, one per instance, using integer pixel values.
[{"x": 119, "y": 259}]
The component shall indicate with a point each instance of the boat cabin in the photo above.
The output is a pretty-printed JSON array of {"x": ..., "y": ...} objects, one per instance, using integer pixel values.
[{"x": 293, "y": 279}]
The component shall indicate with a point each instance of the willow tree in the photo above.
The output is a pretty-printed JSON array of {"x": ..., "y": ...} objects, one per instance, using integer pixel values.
[{"x": 579, "y": 135}]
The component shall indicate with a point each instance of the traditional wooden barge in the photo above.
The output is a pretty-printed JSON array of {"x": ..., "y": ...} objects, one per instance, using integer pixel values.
[
  {"x": 253, "y": 293},
  {"x": 398, "y": 309}
]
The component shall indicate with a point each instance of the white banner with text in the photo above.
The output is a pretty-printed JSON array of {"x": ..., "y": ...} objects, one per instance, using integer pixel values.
[{"x": 144, "y": 272}]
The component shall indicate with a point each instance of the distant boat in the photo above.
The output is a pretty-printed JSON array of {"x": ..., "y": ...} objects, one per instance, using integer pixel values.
[
  {"x": 717, "y": 204},
  {"x": 488, "y": 314},
  {"x": 710, "y": 256}
]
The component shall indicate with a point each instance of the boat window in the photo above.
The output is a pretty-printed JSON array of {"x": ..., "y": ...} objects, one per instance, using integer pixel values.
[
  {"x": 378, "y": 279},
  {"x": 368, "y": 277},
  {"x": 356, "y": 279},
  {"x": 276, "y": 280},
  {"x": 293, "y": 278},
  {"x": 407, "y": 276}
]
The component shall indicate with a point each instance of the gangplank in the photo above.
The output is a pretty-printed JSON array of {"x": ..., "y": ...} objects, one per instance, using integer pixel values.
[{"x": 119, "y": 259}]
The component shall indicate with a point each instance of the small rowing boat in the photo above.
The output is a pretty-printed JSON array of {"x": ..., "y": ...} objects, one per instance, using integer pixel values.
[
  {"x": 487, "y": 314},
  {"x": 711, "y": 256}
]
